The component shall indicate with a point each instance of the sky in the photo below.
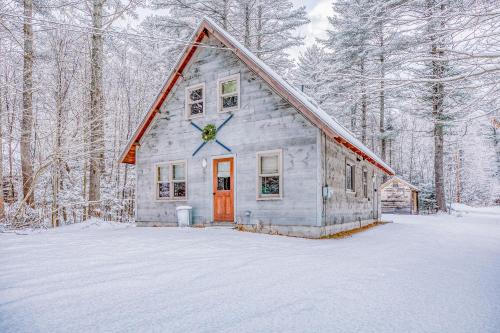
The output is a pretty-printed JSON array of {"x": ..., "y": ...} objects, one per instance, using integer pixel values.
[{"x": 318, "y": 12}]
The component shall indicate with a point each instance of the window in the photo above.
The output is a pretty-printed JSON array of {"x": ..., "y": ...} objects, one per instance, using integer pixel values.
[
  {"x": 224, "y": 176},
  {"x": 195, "y": 100},
  {"x": 269, "y": 170},
  {"x": 365, "y": 183},
  {"x": 349, "y": 176},
  {"x": 171, "y": 181},
  {"x": 229, "y": 91}
]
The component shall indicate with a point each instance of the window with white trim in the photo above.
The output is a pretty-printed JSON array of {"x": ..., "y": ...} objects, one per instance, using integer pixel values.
[
  {"x": 269, "y": 174},
  {"x": 365, "y": 183},
  {"x": 195, "y": 100},
  {"x": 229, "y": 93},
  {"x": 171, "y": 181},
  {"x": 349, "y": 176}
]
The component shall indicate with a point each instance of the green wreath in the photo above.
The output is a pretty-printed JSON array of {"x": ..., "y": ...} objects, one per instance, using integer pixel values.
[{"x": 208, "y": 133}]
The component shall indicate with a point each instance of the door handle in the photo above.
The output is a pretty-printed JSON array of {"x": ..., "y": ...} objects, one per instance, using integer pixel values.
[{"x": 213, "y": 193}]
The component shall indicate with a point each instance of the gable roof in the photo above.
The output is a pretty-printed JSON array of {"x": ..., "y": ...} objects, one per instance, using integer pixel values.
[
  {"x": 297, "y": 99},
  {"x": 401, "y": 180}
]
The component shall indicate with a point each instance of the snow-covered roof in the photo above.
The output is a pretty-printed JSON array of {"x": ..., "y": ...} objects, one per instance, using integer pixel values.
[
  {"x": 401, "y": 180},
  {"x": 297, "y": 98}
]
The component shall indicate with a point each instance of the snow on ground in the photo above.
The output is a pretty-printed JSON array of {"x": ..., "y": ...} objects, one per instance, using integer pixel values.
[{"x": 419, "y": 274}]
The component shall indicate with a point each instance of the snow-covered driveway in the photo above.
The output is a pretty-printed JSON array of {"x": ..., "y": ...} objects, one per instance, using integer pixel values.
[{"x": 420, "y": 274}]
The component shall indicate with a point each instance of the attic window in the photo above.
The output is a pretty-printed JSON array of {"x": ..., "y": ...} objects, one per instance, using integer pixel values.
[
  {"x": 229, "y": 91},
  {"x": 195, "y": 100}
]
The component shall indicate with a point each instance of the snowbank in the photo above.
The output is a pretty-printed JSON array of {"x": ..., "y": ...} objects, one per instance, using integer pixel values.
[
  {"x": 493, "y": 210},
  {"x": 420, "y": 274}
]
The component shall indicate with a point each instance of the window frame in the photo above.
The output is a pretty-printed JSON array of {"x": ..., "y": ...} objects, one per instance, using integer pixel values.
[
  {"x": 220, "y": 95},
  {"x": 171, "y": 180},
  {"x": 364, "y": 182},
  {"x": 260, "y": 154},
  {"x": 188, "y": 101},
  {"x": 352, "y": 165}
]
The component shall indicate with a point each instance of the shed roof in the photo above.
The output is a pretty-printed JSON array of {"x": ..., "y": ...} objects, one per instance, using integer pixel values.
[
  {"x": 296, "y": 98},
  {"x": 396, "y": 178}
]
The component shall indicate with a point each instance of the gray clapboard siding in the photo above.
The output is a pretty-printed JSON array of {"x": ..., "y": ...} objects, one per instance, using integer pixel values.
[
  {"x": 345, "y": 206},
  {"x": 264, "y": 122}
]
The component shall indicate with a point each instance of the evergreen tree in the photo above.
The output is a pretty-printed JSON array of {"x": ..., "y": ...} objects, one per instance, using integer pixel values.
[
  {"x": 309, "y": 76},
  {"x": 267, "y": 28}
]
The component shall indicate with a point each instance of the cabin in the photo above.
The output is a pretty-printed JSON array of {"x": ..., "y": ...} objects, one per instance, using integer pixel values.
[
  {"x": 399, "y": 197},
  {"x": 230, "y": 138}
]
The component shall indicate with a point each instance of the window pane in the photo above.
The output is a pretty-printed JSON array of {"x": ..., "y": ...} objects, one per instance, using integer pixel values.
[
  {"x": 196, "y": 108},
  {"x": 196, "y": 94},
  {"x": 223, "y": 169},
  {"x": 163, "y": 173},
  {"x": 348, "y": 177},
  {"x": 179, "y": 190},
  {"x": 229, "y": 102},
  {"x": 270, "y": 185},
  {"x": 229, "y": 87},
  {"x": 163, "y": 190},
  {"x": 223, "y": 166},
  {"x": 178, "y": 171},
  {"x": 223, "y": 183},
  {"x": 269, "y": 164}
]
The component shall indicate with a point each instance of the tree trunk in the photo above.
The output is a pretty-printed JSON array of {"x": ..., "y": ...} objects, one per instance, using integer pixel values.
[
  {"x": 56, "y": 177},
  {"x": 2, "y": 209},
  {"x": 382, "y": 97},
  {"x": 259, "y": 31},
  {"x": 458, "y": 178},
  {"x": 96, "y": 111},
  {"x": 27, "y": 114},
  {"x": 364, "y": 102},
  {"x": 247, "y": 25},
  {"x": 496, "y": 145},
  {"x": 412, "y": 152},
  {"x": 437, "y": 66},
  {"x": 439, "y": 147},
  {"x": 225, "y": 14}
]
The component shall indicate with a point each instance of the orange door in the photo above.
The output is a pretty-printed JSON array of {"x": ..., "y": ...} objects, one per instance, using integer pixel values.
[{"x": 223, "y": 189}]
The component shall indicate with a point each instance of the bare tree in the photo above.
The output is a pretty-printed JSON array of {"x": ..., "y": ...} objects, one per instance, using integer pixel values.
[
  {"x": 27, "y": 114},
  {"x": 2, "y": 209},
  {"x": 436, "y": 25},
  {"x": 96, "y": 109}
]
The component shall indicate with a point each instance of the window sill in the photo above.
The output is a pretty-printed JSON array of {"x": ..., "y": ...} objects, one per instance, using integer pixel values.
[
  {"x": 269, "y": 198},
  {"x": 228, "y": 110},
  {"x": 172, "y": 200},
  {"x": 196, "y": 116},
  {"x": 349, "y": 192}
]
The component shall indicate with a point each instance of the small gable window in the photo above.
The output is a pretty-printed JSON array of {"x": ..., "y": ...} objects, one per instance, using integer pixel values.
[
  {"x": 171, "y": 181},
  {"x": 349, "y": 176},
  {"x": 269, "y": 173},
  {"x": 229, "y": 93},
  {"x": 195, "y": 100}
]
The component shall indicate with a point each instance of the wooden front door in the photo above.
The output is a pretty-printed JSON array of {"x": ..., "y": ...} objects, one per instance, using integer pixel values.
[{"x": 223, "y": 185}]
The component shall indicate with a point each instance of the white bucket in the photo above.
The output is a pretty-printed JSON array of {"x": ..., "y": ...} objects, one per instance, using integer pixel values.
[{"x": 184, "y": 215}]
